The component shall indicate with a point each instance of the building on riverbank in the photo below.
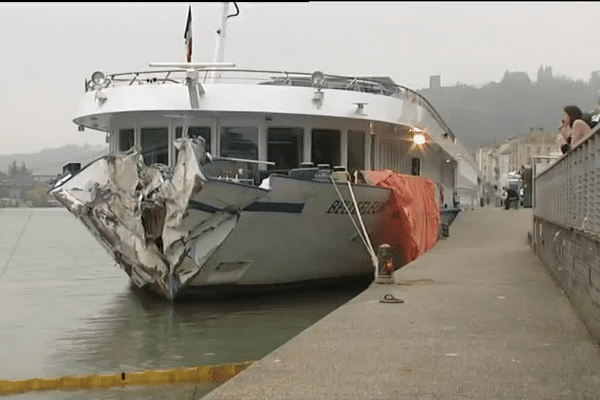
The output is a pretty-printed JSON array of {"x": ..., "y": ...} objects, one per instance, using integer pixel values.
[{"x": 515, "y": 156}]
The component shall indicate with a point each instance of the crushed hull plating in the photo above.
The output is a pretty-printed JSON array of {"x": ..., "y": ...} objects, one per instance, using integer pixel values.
[
  {"x": 138, "y": 215},
  {"x": 181, "y": 229}
]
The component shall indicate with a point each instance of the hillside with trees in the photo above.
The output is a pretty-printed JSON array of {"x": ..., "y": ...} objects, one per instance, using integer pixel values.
[
  {"x": 501, "y": 110},
  {"x": 51, "y": 161}
]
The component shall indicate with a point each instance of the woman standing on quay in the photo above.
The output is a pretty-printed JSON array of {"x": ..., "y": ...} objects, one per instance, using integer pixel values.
[{"x": 574, "y": 129}]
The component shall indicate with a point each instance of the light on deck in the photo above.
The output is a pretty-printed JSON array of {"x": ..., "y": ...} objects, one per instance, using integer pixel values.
[{"x": 419, "y": 139}]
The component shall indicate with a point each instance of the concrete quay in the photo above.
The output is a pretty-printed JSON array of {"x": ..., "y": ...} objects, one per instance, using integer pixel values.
[{"x": 481, "y": 319}]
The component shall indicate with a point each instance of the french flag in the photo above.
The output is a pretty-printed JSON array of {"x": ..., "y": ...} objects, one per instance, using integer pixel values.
[{"x": 188, "y": 35}]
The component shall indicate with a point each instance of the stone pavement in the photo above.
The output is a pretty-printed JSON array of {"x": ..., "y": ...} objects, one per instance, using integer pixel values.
[{"x": 481, "y": 319}]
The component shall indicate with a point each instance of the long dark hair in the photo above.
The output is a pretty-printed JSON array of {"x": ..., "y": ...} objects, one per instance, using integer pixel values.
[{"x": 574, "y": 113}]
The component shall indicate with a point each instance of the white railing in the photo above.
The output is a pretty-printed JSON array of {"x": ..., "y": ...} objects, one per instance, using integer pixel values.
[
  {"x": 568, "y": 192},
  {"x": 281, "y": 78}
]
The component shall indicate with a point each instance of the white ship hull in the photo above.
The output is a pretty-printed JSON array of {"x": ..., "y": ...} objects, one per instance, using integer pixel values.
[
  {"x": 191, "y": 231},
  {"x": 299, "y": 231}
]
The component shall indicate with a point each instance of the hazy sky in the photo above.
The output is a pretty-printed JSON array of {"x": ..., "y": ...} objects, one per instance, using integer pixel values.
[{"x": 48, "y": 49}]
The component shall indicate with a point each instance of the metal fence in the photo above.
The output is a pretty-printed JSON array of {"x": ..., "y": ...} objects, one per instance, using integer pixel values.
[{"x": 568, "y": 192}]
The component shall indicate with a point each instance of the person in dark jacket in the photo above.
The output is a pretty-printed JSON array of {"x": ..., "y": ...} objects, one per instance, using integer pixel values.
[{"x": 511, "y": 196}]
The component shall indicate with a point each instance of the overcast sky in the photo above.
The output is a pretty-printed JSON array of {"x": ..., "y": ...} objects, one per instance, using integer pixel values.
[{"x": 48, "y": 49}]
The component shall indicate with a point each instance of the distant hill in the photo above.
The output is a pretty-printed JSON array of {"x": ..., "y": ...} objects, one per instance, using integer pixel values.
[
  {"x": 498, "y": 111},
  {"x": 51, "y": 161}
]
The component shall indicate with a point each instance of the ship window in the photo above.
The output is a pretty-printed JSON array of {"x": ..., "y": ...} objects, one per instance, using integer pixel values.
[
  {"x": 284, "y": 147},
  {"x": 200, "y": 131},
  {"x": 125, "y": 139},
  {"x": 195, "y": 131},
  {"x": 356, "y": 150},
  {"x": 155, "y": 145},
  {"x": 326, "y": 147},
  {"x": 239, "y": 142},
  {"x": 415, "y": 167}
]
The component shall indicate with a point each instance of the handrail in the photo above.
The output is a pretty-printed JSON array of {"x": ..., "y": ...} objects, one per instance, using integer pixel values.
[
  {"x": 594, "y": 130},
  {"x": 567, "y": 193},
  {"x": 338, "y": 82}
]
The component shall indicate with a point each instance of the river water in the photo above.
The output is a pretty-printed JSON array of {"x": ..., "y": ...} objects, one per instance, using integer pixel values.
[{"x": 68, "y": 310}]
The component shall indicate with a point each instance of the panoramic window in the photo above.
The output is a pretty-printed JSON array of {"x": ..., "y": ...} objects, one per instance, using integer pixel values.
[
  {"x": 356, "y": 151},
  {"x": 155, "y": 145},
  {"x": 239, "y": 142},
  {"x": 196, "y": 131},
  {"x": 126, "y": 139},
  {"x": 284, "y": 147},
  {"x": 326, "y": 147}
]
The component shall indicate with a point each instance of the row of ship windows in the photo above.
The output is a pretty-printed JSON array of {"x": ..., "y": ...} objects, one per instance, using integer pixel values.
[{"x": 284, "y": 145}]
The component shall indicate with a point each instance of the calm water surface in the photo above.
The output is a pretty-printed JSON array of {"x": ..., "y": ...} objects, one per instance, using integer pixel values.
[{"x": 68, "y": 310}]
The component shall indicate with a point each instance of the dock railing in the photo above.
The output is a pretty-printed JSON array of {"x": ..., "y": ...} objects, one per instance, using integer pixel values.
[{"x": 567, "y": 193}]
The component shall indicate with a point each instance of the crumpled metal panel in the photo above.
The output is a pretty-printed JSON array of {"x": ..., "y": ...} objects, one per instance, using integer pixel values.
[{"x": 136, "y": 212}]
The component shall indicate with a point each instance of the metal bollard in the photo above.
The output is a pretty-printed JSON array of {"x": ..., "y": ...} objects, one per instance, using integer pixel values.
[{"x": 385, "y": 264}]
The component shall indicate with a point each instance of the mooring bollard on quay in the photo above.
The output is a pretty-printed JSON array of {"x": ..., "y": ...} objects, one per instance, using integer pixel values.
[
  {"x": 385, "y": 265},
  {"x": 447, "y": 216}
]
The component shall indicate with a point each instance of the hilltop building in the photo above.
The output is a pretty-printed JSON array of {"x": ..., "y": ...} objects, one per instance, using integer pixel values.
[{"x": 435, "y": 82}]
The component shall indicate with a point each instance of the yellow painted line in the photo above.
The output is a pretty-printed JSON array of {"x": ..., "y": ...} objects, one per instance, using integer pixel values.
[{"x": 205, "y": 373}]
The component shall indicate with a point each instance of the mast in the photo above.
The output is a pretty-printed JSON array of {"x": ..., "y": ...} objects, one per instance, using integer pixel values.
[{"x": 221, "y": 36}]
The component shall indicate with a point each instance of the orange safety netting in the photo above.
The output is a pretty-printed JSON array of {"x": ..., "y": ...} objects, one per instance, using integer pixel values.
[{"x": 412, "y": 217}]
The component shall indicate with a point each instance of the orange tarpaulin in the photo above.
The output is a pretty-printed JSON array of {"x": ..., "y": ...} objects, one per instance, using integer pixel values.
[{"x": 412, "y": 217}]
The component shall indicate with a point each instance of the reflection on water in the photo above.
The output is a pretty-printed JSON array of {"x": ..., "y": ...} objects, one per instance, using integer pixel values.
[{"x": 66, "y": 310}]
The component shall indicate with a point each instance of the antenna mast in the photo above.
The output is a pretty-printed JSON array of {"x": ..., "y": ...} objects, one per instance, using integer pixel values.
[{"x": 221, "y": 32}]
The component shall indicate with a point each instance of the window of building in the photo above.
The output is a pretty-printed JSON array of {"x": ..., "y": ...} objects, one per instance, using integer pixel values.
[
  {"x": 356, "y": 151},
  {"x": 239, "y": 142},
  {"x": 284, "y": 147},
  {"x": 326, "y": 147},
  {"x": 155, "y": 145},
  {"x": 126, "y": 139}
]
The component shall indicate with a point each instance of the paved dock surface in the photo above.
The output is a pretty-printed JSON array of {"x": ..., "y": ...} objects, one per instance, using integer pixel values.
[{"x": 482, "y": 319}]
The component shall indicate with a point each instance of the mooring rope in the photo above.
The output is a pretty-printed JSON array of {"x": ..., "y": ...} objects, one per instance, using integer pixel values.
[
  {"x": 364, "y": 234},
  {"x": 14, "y": 249}
]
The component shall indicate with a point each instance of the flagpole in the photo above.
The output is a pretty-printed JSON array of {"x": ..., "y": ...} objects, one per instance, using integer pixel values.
[{"x": 187, "y": 35}]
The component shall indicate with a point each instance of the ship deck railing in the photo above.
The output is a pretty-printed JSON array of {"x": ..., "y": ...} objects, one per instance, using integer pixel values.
[{"x": 376, "y": 85}]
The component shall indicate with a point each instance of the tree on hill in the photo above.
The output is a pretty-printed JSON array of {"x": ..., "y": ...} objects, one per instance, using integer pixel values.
[
  {"x": 595, "y": 79},
  {"x": 15, "y": 171},
  {"x": 19, "y": 173}
]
